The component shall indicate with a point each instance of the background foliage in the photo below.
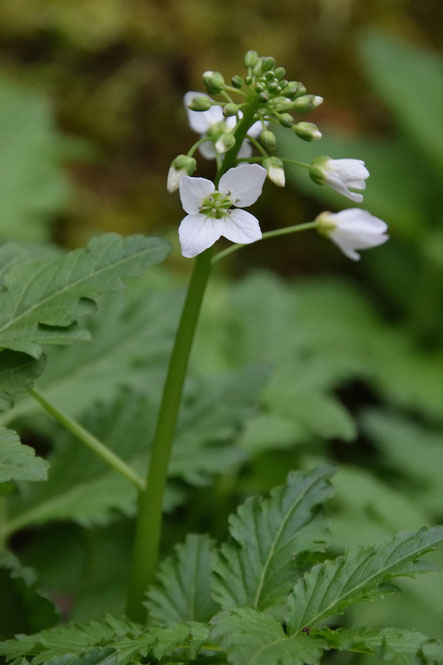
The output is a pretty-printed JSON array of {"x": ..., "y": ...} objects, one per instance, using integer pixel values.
[{"x": 302, "y": 358}]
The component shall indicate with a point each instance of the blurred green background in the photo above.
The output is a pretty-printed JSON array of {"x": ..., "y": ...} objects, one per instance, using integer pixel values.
[{"x": 91, "y": 115}]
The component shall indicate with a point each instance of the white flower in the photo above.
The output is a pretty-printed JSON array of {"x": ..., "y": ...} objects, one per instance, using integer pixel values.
[
  {"x": 352, "y": 229},
  {"x": 210, "y": 213},
  {"x": 214, "y": 122},
  {"x": 341, "y": 175}
]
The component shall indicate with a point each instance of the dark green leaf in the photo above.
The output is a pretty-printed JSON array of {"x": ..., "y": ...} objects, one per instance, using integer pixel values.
[{"x": 17, "y": 461}]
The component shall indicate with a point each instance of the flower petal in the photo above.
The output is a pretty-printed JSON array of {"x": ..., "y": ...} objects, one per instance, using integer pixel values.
[
  {"x": 241, "y": 227},
  {"x": 256, "y": 129},
  {"x": 243, "y": 184},
  {"x": 201, "y": 121},
  {"x": 197, "y": 233},
  {"x": 207, "y": 150},
  {"x": 245, "y": 150},
  {"x": 193, "y": 191}
]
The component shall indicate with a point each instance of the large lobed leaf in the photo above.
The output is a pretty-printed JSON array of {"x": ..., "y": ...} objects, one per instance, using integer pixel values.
[
  {"x": 42, "y": 301},
  {"x": 17, "y": 461},
  {"x": 358, "y": 575},
  {"x": 181, "y": 590},
  {"x": 81, "y": 486},
  {"x": 261, "y": 564}
]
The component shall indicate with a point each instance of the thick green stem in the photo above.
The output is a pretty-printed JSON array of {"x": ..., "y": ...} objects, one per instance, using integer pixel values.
[
  {"x": 150, "y": 506},
  {"x": 269, "y": 234},
  {"x": 90, "y": 441}
]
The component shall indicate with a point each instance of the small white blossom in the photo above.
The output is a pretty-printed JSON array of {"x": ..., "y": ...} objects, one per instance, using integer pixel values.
[
  {"x": 210, "y": 212},
  {"x": 341, "y": 175},
  {"x": 174, "y": 177},
  {"x": 214, "y": 122},
  {"x": 353, "y": 229}
]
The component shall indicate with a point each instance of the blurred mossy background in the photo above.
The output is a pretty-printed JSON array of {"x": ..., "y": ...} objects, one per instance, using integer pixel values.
[{"x": 115, "y": 72}]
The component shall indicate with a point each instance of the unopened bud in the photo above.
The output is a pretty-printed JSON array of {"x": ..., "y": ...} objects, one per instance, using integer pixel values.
[
  {"x": 214, "y": 82},
  {"x": 251, "y": 58},
  {"x": 276, "y": 173},
  {"x": 237, "y": 81},
  {"x": 182, "y": 165},
  {"x": 267, "y": 63},
  {"x": 286, "y": 119},
  {"x": 200, "y": 103},
  {"x": 263, "y": 97},
  {"x": 274, "y": 87},
  {"x": 307, "y": 131},
  {"x": 307, "y": 103},
  {"x": 248, "y": 80},
  {"x": 280, "y": 72},
  {"x": 317, "y": 170},
  {"x": 268, "y": 139},
  {"x": 225, "y": 142},
  {"x": 230, "y": 109}
]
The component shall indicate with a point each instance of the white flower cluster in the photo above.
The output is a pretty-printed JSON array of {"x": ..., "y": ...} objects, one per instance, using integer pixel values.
[{"x": 214, "y": 212}]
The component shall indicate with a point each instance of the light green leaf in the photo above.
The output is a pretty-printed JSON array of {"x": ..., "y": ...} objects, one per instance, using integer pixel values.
[
  {"x": 261, "y": 565},
  {"x": 386, "y": 643},
  {"x": 42, "y": 301},
  {"x": 17, "y": 461},
  {"x": 130, "y": 346},
  {"x": 33, "y": 186},
  {"x": 181, "y": 590},
  {"x": 81, "y": 486},
  {"x": 253, "y": 638},
  {"x": 361, "y": 574},
  {"x": 392, "y": 65}
]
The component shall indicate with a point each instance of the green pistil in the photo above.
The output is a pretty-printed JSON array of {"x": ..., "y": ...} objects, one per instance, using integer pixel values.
[{"x": 216, "y": 205}]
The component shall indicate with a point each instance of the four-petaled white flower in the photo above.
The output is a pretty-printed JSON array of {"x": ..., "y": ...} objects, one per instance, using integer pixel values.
[
  {"x": 210, "y": 212},
  {"x": 341, "y": 175},
  {"x": 353, "y": 229},
  {"x": 213, "y": 123}
]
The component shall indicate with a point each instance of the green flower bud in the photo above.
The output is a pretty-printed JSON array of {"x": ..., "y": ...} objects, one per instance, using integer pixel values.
[
  {"x": 182, "y": 165},
  {"x": 307, "y": 131},
  {"x": 237, "y": 81},
  {"x": 225, "y": 142},
  {"x": 267, "y": 63},
  {"x": 263, "y": 97},
  {"x": 317, "y": 170},
  {"x": 251, "y": 58},
  {"x": 307, "y": 103},
  {"x": 248, "y": 80},
  {"x": 270, "y": 76},
  {"x": 274, "y": 87},
  {"x": 294, "y": 89},
  {"x": 268, "y": 139},
  {"x": 230, "y": 109},
  {"x": 259, "y": 87},
  {"x": 286, "y": 119},
  {"x": 200, "y": 104},
  {"x": 280, "y": 72},
  {"x": 276, "y": 173},
  {"x": 214, "y": 82}
]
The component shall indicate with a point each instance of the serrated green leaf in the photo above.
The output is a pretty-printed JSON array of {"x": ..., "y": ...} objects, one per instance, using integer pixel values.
[
  {"x": 130, "y": 346},
  {"x": 180, "y": 592},
  {"x": 253, "y": 638},
  {"x": 33, "y": 186},
  {"x": 260, "y": 567},
  {"x": 82, "y": 488},
  {"x": 18, "y": 371},
  {"x": 23, "y": 606},
  {"x": 17, "y": 461},
  {"x": 112, "y": 640},
  {"x": 42, "y": 302},
  {"x": 361, "y": 574},
  {"x": 386, "y": 643}
]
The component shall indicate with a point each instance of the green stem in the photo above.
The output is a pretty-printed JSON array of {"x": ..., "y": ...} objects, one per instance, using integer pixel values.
[
  {"x": 150, "y": 507},
  {"x": 269, "y": 234},
  {"x": 197, "y": 144},
  {"x": 90, "y": 441},
  {"x": 259, "y": 147},
  {"x": 295, "y": 162}
]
